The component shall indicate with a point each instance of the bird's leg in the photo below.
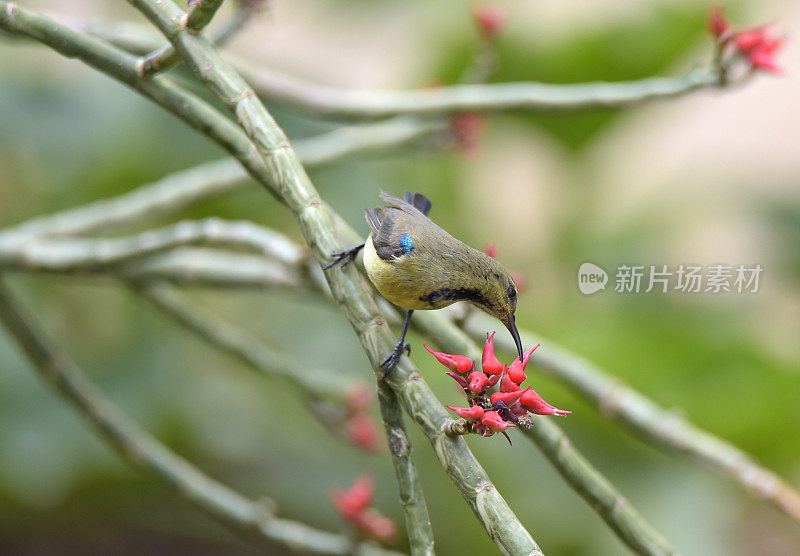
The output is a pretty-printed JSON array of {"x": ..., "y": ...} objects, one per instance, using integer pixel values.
[
  {"x": 390, "y": 362},
  {"x": 343, "y": 257}
]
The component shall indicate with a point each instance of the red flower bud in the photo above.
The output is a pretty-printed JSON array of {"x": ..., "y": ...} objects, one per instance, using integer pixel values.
[
  {"x": 759, "y": 48},
  {"x": 718, "y": 25},
  {"x": 508, "y": 385},
  {"x": 478, "y": 382},
  {"x": 489, "y": 19},
  {"x": 350, "y": 503},
  {"x": 460, "y": 379},
  {"x": 377, "y": 526},
  {"x": 491, "y": 250},
  {"x": 471, "y": 414},
  {"x": 534, "y": 403},
  {"x": 491, "y": 365},
  {"x": 459, "y": 363},
  {"x": 492, "y": 381},
  {"x": 515, "y": 372},
  {"x": 494, "y": 423},
  {"x": 363, "y": 432},
  {"x": 508, "y": 398}
]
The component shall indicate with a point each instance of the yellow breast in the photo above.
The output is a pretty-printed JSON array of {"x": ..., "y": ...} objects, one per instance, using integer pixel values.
[{"x": 401, "y": 280}]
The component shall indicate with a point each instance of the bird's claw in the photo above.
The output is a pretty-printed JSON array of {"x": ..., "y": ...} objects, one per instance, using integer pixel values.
[
  {"x": 391, "y": 362},
  {"x": 346, "y": 256}
]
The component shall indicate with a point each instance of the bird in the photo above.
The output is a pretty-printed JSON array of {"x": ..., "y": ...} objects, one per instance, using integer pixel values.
[{"x": 417, "y": 265}]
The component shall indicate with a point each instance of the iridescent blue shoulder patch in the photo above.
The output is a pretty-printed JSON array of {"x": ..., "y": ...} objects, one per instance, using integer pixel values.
[{"x": 406, "y": 244}]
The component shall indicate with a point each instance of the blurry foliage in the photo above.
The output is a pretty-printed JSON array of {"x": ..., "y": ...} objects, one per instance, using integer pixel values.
[{"x": 89, "y": 138}]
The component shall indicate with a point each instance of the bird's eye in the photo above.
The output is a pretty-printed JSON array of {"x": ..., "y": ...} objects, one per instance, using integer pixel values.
[{"x": 512, "y": 292}]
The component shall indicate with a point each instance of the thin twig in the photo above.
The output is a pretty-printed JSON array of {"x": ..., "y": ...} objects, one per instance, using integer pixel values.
[
  {"x": 199, "y": 15},
  {"x": 530, "y": 96},
  {"x": 82, "y": 254},
  {"x": 314, "y": 387},
  {"x": 286, "y": 174},
  {"x": 249, "y": 518},
  {"x": 662, "y": 427}
]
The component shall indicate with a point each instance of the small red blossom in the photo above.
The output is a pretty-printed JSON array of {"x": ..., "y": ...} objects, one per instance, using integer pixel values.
[
  {"x": 478, "y": 382},
  {"x": 534, "y": 403},
  {"x": 377, "y": 526},
  {"x": 490, "y": 363},
  {"x": 508, "y": 385},
  {"x": 354, "y": 505},
  {"x": 489, "y": 19},
  {"x": 471, "y": 414},
  {"x": 349, "y": 503},
  {"x": 516, "y": 370},
  {"x": 467, "y": 128},
  {"x": 756, "y": 45},
  {"x": 362, "y": 431},
  {"x": 457, "y": 363},
  {"x": 508, "y": 398},
  {"x": 459, "y": 379},
  {"x": 494, "y": 423},
  {"x": 491, "y": 250},
  {"x": 759, "y": 47},
  {"x": 718, "y": 24}
]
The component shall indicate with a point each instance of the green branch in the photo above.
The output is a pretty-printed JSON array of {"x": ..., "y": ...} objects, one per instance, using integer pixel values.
[{"x": 249, "y": 518}]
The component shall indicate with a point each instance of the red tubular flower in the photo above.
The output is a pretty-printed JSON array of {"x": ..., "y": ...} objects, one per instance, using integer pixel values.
[
  {"x": 352, "y": 502},
  {"x": 478, "y": 382},
  {"x": 494, "y": 423},
  {"x": 508, "y": 398},
  {"x": 489, "y": 19},
  {"x": 471, "y": 414},
  {"x": 492, "y": 381},
  {"x": 516, "y": 370},
  {"x": 491, "y": 365},
  {"x": 718, "y": 25},
  {"x": 759, "y": 48},
  {"x": 458, "y": 363},
  {"x": 534, "y": 403},
  {"x": 508, "y": 385}
]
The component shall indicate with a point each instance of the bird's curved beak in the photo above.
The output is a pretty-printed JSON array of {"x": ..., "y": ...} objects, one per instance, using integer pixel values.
[{"x": 511, "y": 324}]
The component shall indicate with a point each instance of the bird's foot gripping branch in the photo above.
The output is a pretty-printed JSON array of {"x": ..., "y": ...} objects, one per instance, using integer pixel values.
[{"x": 509, "y": 406}]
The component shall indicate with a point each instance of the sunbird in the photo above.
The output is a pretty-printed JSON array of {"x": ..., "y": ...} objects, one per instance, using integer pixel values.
[{"x": 417, "y": 265}]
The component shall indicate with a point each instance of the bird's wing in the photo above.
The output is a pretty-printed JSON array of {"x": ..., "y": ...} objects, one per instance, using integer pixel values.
[
  {"x": 418, "y": 201},
  {"x": 391, "y": 225}
]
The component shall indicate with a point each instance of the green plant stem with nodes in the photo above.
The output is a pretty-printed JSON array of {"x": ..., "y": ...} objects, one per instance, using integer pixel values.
[
  {"x": 253, "y": 520},
  {"x": 662, "y": 427},
  {"x": 286, "y": 175}
]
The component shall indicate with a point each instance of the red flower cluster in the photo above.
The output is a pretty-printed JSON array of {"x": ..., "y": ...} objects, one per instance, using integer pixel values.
[
  {"x": 489, "y": 19},
  {"x": 359, "y": 425},
  {"x": 756, "y": 45},
  {"x": 507, "y": 407},
  {"x": 354, "y": 505}
]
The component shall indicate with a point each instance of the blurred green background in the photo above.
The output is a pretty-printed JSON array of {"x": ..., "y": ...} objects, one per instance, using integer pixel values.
[{"x": 706, "y": 179}]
